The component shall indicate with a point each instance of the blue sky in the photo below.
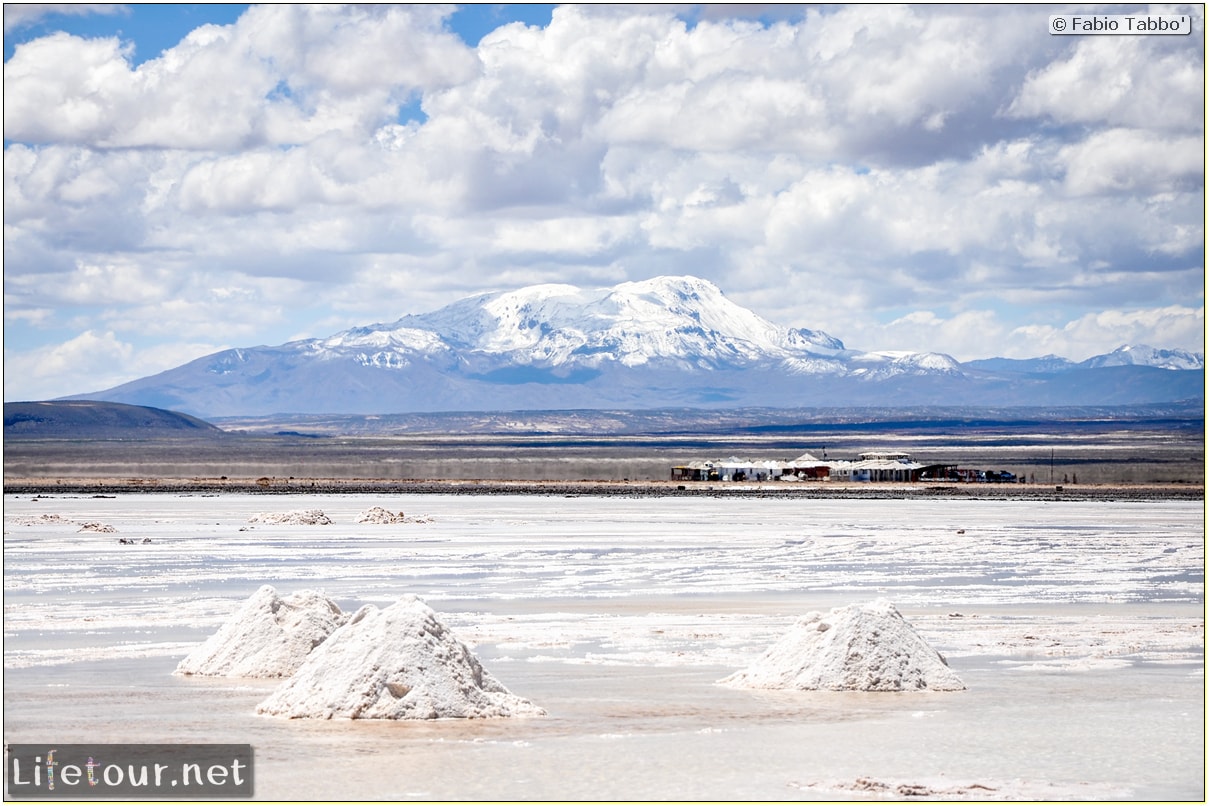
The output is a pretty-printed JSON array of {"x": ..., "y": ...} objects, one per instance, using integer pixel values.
[
  {"x": 153, "y": 28},
  {"x": 181, "y": 179}
]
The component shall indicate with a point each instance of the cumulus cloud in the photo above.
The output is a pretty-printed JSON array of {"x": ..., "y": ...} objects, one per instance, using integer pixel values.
[
  {"x": 1134, "y": 161},
  {"x": 281, "y": 74},
  {"x": 971, "y": 334},
  {"x": 1084, "y": 337},
  {"x": 831, "y": 169},
  {"x": 1130, "y": 81},
  {"x": 89, "y": 357},
  {"x": 91, "y": 362}
]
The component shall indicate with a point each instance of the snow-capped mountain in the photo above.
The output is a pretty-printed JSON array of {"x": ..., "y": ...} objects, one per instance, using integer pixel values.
[
  {"x": 1147, "y": 356},
  {"x": 668, "y": 341},
  {"x": 669, "y": 322},
  {"x": 1140, "y": 355}
]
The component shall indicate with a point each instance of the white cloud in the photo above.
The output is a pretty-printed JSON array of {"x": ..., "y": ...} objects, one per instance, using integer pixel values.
[
  {"x": 33, "y": 316},
  {"x": 20, "y": 15},
  {"x": 1153, "y": 82},
  {"x": 967, "y": 335},
  {"x": 578, "y": 235},
  {"x": 281, "y": 74},
  {"x": 983, "y": 333},
  {"x": 67, "y": 368},
  {"x": 90, "y": 362},
  {"x": 1133, "y": 161},
  {"x": 1079, "y": 339},
  {"x": 830, "y": 172}
]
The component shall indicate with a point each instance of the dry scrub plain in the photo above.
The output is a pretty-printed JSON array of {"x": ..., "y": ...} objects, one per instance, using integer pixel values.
[{"x": 1076, "y": 457}]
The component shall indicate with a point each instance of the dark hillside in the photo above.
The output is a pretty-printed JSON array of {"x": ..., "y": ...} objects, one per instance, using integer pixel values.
[{"x": 90, "y": 419}]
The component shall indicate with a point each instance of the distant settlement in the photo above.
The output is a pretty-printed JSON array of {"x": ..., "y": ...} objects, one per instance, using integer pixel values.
[{"x": 871, "y": 466}]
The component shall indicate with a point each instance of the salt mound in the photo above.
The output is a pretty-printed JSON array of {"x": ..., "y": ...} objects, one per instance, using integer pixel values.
[
  {"x": 32, "y": 520},
  {"x": 380, "y": 515},
  {"x": 855, "y": 648},
  {"x": 270, "y": 636},
  {"x": 305, "y": 517},
  {"x": 396, "y": 663}
]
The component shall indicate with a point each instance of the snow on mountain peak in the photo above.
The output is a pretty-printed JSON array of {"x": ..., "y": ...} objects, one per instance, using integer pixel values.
[
  {"x": 672, "y": 322},
  {"x": 685, "y": 321},
  {"x": 1145, "y": 355}
]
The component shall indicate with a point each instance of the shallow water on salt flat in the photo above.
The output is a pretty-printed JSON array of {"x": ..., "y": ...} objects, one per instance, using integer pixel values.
[{"x": 1077, "y": 627}]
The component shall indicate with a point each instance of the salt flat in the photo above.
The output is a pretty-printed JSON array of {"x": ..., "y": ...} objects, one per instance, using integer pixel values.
[{"x": 1077, "y": 626}]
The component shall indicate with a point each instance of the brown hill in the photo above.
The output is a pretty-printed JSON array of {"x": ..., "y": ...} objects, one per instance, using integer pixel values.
[{"x": 91, "y": 419}]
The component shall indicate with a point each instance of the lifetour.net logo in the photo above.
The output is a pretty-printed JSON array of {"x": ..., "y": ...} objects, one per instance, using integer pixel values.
[{"x": 106, "y": 771}]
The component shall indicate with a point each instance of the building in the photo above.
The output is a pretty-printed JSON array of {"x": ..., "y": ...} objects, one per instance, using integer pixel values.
[
  {"x": 809, "y": 466},
  {"x": 878, "y": 466},
  {"x": 870, "y": 466},
  {"x": 695, "y": 471}
]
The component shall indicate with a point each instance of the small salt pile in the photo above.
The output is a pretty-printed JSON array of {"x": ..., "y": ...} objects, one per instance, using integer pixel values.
[
  {"x": 380, "y": 515},
  {"x": 867, "y": 647},
  {"x": 400, "y": 662},
  {"x": 302, "y": 517},
  {"x": 270, "y": 636}
]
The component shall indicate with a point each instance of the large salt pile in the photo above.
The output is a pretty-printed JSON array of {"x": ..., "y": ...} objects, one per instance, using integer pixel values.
[
  {"x": 270, "y": 636},
  {"x": 867, "y": 647},
  {"x": 400, "y": 662}
]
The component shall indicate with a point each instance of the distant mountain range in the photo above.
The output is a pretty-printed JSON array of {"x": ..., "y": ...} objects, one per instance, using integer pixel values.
[
  {"x": 660, "y": 343},
  {"x": 1140, "y": 355}
]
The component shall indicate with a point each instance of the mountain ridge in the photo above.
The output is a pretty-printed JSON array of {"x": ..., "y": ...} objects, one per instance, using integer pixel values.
[{"x": 667, "y": 341}]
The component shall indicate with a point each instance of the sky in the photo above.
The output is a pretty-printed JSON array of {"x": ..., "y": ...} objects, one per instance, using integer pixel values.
[{"x": 182, "y": 179}]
